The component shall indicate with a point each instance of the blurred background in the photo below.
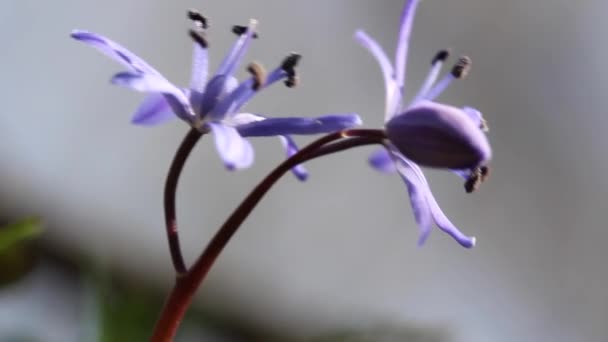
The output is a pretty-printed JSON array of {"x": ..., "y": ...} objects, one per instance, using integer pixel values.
[{"x": 332, "y": 259}]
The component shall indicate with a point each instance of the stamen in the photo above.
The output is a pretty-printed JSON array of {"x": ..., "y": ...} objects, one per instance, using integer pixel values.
[
  {"x": 259, "y": 75},
  {"x": 441, "y": 56},
  {"x": 199, "y": 20},
  {"x": 459, "y": 71},
  {"x": 241, "y": 30},
  {"x": 462, "y": 67},
  {"x": 289, "y": 64},
  {"x": 436, "y": 64},
  {"x": 483, "y": 125},
  {"x": 199, "y": 38},
  {"x": 478, "y": 176}
]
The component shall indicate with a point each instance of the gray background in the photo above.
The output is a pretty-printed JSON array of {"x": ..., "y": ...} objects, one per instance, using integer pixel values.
[{"x": 338, "y": 251}]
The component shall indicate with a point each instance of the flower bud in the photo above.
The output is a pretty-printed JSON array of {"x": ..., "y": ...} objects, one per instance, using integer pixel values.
[{"x": 436, "y": 135}]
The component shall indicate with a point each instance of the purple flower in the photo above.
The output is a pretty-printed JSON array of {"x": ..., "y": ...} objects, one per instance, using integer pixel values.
[
  {"x": 426, "y": 132},
  {"x": 215, "y": 105}
]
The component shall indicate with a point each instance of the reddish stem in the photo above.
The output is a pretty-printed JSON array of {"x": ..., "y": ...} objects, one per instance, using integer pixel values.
[
  {"x": 186, "y": 284},
  {"x": 175, "y": 170}
]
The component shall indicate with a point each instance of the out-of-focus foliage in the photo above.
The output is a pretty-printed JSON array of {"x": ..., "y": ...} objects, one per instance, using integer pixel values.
[
  {"x": 16, "y": 255},
  {"x": 19, "y": 231}
]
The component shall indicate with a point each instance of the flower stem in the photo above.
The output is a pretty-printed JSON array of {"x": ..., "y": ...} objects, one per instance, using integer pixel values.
[
  {"x": 187, "y": 283},
  {"x": 175, "y": 170}
]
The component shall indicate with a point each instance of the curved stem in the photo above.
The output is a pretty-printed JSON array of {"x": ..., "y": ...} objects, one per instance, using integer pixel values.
[
  {"x": 186, "y": 284},
  {"x": 175, "y": 170}
]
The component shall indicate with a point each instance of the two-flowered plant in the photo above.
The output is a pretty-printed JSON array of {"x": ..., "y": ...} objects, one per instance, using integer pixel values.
[{"x": 421, "y": 133}]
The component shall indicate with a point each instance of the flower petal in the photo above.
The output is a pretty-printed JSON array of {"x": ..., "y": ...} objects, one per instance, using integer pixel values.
[
  {"x": 241, "y": 97},
  {"x": 200, "y": 68},
  {"x": 299, "y": 125},
  {"x": 155, "y": 84},
  {"x": 405, "y": 30},
  {"x": 393, "y": 95},
  {"x": 198, "y": 77},
  {"x": 228, "y": 104},
  {"x": 418, "y": 192},
  {"x": 235, "y": 151},
  {"x": 231, "y": 61},
  {"x": 153, "y": 110},
  {"x": 438, "y": 135},
  {"x": 115, "y": 51},
  {"x": 414, "y": 178},
  {"x": 382, "y": 161},
  {"x": 477, "y": 118},
  {"x": 218, "y": 88},
  {"x": 290, "y": 149}
]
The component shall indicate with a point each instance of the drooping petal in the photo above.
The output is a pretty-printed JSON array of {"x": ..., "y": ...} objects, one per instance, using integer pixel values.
[
  {"x": 437, "y": 135},
  {"x": 115, "y": 51},
  {"x": 230, "y": 63},
  {"x": 299, "y": 125},
  {"x": 382, "y": 161},
  {"x": 405, "y": 30},
  {"x": 418, "y": 192},
  {"x": 447, "y": 226},
  {"x": 393, "y": 96},
  {"x": 290, "y": 149},
  {"x": 153, "y": 110},
  {"x": 414, "y": 177},
  {"x": 236, "y": 152}
]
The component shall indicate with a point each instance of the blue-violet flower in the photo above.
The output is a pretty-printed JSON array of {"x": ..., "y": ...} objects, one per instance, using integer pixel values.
[
  {"x": 426, "y": 132},
  {"x": 215, "y": 105}
]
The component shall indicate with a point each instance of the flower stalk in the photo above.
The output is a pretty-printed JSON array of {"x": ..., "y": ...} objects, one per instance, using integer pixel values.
[{"x": 188, "y": 281}]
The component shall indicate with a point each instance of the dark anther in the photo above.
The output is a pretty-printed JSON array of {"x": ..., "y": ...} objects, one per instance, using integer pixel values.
[
  {"x": 291, "y": 81},
  {"x": 484, "y": 172},
  {"x": 441, "y": 56},
  {"x": 259, "y": 75},
  {"x": 197, "y": 18},
  {"x": 471, "y": 185},
  {"x": 240, "y": 30},
  {"x": 462, "y": 67},
  {"x": 198, "y": 37},
  {"x": 289, "y": 64},
  {"x": 478, "y": 176}
]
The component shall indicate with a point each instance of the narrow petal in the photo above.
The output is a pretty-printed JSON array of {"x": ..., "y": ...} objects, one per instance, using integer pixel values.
[
  {"x": 382, "y": 161},
  {"x": 412, "y": 173},
  {"x": 155, "y": 84},
  {"x": 228, "y": 104},
  {"x": 200, "y": 68},
  {"x": 218, "y": 88},
  {"x": 242, "y": 95},
  {"x": 232, "y": 60},
  {"x": 447, "y": 226},
  {"x": 290, "y": 149},
  {"x": 236, "y": 152},
  {"x": 115, "y": 51},
  {"x": 153, "y": 110},
  {"x": 392, "y": 90},
  {"x": 418, "y": 192},
  {"x": 405, "y": 30},
  {"x": 198, "y": 78},
  {"x": 299, "y": 125}
]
